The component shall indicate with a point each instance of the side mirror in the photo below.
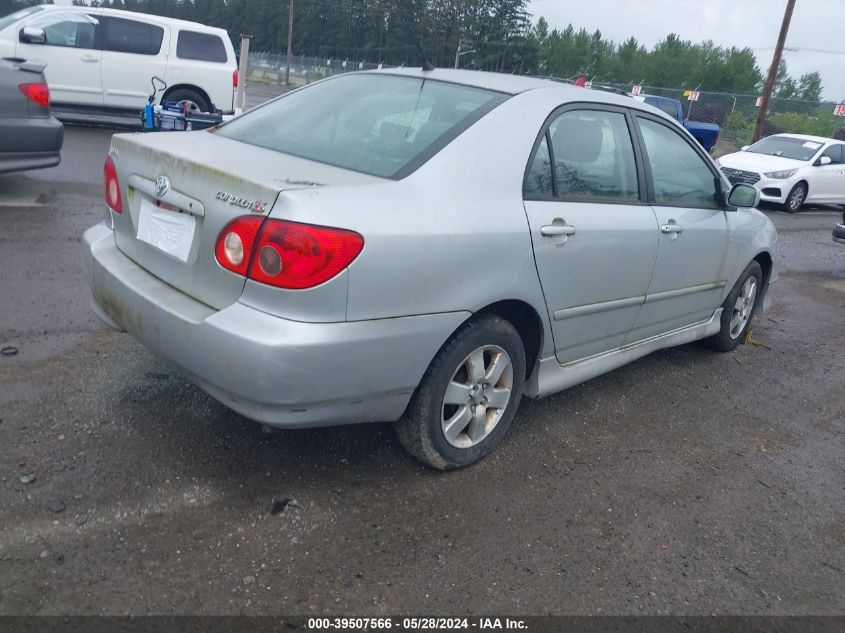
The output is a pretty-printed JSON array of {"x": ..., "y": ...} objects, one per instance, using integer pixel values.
[
  {"x": 33, "y": 35},
  {"x": 744, "y": 196},
  {"x": 744, "y": 147},
  {"x": 824, "y": 160}
]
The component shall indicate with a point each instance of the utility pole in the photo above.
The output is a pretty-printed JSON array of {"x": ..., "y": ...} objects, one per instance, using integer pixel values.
[
  {"x": 290, "y": 42},
  {"x": 459, "y": 53},
  {"x": 773, "y": 72},
  {"x": 243, "y": 70}
]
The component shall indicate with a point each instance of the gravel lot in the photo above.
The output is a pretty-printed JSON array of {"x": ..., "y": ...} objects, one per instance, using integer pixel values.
[{"x": 687, "y": 482}]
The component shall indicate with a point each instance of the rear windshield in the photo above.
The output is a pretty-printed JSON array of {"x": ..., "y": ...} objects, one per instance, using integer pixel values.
[
  {"x": 200, "y": 46},
  {"x": 378, "y": 124},
  {"x": 786, "y": 147},
  {"x": 17, "y": 15}
]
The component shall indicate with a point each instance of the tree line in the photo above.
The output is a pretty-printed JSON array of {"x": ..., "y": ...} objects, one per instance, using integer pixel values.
[{"x": 483, "y": 34}]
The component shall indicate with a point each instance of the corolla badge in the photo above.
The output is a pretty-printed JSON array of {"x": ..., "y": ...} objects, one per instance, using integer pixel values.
[
  {"x": 254, "y": 206},
  {"x": 162, "y": 186}
]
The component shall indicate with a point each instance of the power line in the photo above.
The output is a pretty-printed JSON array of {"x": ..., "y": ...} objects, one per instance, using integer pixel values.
[{"x": 799, "y": 49}]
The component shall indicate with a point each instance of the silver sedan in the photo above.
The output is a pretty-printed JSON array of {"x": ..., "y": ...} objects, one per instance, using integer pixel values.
[{"x": 423, "y": 247}]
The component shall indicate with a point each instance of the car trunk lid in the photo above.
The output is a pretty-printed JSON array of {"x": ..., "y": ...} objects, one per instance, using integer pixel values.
[{"x": 179, "y": 190}]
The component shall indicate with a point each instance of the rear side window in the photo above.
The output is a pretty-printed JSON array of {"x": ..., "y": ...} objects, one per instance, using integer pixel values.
[
  {"x": 130, "y": 36},
  {"x": 379, "y": 124},
  {"x": 538, "y": 181},
  {"x": 201, "y": 46},
  {"x": 592, "y": 158}
]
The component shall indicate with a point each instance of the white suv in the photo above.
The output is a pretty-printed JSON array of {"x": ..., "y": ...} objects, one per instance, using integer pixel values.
[{"x": 106, "y": 58}]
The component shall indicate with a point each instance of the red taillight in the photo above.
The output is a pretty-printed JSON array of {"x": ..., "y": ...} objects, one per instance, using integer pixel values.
[
  {"x": 235, "y": 78},
  {"x": 234, "y": 244},
  {"x": 286, "y": 254},
  {"x": 38, "y": 93},
  {"x": 112, "y": 187}
]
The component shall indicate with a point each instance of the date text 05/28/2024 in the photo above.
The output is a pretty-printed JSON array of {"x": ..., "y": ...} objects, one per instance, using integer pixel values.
[{"x": 415, "y": 624}]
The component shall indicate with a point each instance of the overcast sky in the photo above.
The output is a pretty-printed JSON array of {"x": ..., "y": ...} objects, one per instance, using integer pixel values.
[{"x": 816, "y": 24}]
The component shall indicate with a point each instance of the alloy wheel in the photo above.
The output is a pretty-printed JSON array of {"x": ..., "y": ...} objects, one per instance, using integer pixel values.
[
  {"x": 744, "y": 306},
  {"x": 796, "y": 198},
  {"x": 477, "y": 396}
]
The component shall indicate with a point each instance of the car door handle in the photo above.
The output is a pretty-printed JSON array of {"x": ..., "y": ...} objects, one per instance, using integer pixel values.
[
  {"x": 554, "y": 230},
  {"x": 672, "y": 228},
  {"x": 89, "y": 58}
]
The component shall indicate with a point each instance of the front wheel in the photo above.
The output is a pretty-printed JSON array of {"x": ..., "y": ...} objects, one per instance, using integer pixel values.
[
  {"x": 468, "y": 396},
  {"x": 795, "y": 199},
  {"x": 738, "y": 310}
]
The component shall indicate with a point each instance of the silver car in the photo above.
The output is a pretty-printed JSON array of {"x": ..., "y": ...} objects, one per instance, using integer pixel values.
[{"x": 424, "y": 247}]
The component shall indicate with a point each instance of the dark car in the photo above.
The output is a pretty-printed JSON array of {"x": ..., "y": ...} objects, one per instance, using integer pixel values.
[
  {"x": 29, "y": 137},
  {"x": 839, "y": 231}
]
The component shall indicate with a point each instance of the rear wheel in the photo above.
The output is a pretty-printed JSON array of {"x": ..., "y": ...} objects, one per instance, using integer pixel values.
[
  {"x": 468, "y": 396},
  {"x": 194, "y": 100},
  {"x": 795, "y": 199},
  {"x": 738, "y": 310}
]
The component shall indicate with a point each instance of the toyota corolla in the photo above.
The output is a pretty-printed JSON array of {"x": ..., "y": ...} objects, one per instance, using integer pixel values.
[{"x": 424, "y": 248}]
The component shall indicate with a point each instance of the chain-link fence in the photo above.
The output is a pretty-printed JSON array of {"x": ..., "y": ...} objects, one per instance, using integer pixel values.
[
  {"x": 270, "y": 67},
  {"x": 735, "y": 114}
]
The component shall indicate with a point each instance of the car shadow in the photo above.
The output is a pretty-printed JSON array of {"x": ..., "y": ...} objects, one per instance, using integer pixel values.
[{"x": 185, "y": 427}]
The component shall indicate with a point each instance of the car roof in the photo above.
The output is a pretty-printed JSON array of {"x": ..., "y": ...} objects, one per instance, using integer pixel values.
[
  {"x": 809, "y": 137},
  {"x": 118, "y": 13},
  {"x": 513, "y": 84}
]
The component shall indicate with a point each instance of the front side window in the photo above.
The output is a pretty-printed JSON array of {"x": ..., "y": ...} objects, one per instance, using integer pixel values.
[
  {"x": 73, "y": 30},
  {"x": 681, "y": 177},
  {"x": 200, "y": 46},
  {"x": 834, "y": 153},
  {"x": 592, "y": 157},
  {"x": 382, "y": 125},
  {"x": 131, "y": 36}
]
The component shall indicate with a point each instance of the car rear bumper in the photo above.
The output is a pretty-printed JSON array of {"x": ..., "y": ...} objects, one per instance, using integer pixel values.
[
  {"x": 839, "y": 233},
  {"x": 30, "y": 143},
  {"x": 280, "y": 372}
]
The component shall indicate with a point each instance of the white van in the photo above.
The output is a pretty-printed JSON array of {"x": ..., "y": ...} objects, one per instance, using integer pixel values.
[{"x": 106, "y": 58}]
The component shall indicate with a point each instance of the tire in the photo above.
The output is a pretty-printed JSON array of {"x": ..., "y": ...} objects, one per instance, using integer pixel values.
[
  {"x": 191, "y": 96},
  {"x": 732, "y": 334},
  {"x": 795, "y": 199},
  {"x": 422, "y": 429}
]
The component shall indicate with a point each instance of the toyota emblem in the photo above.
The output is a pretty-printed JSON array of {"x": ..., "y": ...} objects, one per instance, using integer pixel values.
[{"x": 162, "y": 186}]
